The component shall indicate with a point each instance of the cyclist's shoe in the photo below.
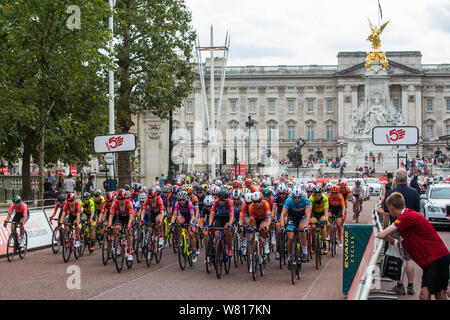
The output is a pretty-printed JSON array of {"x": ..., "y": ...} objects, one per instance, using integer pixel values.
[
  {"x": 230, "y": 252},
  {"x": 324, "y": 249},
  {"x": 304, "y": 258},
  {"x": 77, "y": 244},
  {"x": 130, "y": 255},
  {"x": 266, "y": 248},
  {"x": 289, "y": 265},
  {"x": 410, "y": 290},
  {"x": 22, "y": 241},
  {"x": 194, "y": 255},
  {"x": 312, "y": 250},
  {"x": 91, "y": 247},
  {"x": 339, "y": 243},
  {"x": 398, "y": 291},
  {"x": 274, "y": 241},
  {"x": 118, "y": 251},
  {"x": 244, "y": 250},
  {"x": 277, "y": 256}
]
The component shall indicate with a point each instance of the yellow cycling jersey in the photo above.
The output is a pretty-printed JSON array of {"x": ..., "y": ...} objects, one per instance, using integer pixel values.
[
  {"x": 319, "y": 206},
  {"x": 98, "y": 205},
  {"x": 88, "y": 208}
]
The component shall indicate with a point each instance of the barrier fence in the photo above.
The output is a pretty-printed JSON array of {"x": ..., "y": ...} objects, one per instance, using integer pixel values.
[{"x": 367, "y": 285}]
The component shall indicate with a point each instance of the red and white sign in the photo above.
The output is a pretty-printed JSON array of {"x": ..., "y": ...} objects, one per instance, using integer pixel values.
[
  {"x": 115, "y": 143},
  {"x": 392, "y": 136},
  {"x": 59, "y": 172},
  {"x": 73, "y": 171},
  {"x": 5, "y": 171}
]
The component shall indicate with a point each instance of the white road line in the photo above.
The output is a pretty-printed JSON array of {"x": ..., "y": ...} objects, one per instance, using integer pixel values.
[
  {"x": 315, "y": 281},
  {"x": 126, "y": 283}
]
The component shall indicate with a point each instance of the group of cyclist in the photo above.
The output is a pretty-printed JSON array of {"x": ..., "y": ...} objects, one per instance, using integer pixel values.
[{"x": 271, "y": 207}]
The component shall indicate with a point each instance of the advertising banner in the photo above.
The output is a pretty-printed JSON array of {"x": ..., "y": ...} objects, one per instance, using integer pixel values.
[
  {"x": 391, "y": 136},
  {"x": 37, "y": 227},
  {"x": 115, "y": 143},
  {"x": 356, "y": 239}
]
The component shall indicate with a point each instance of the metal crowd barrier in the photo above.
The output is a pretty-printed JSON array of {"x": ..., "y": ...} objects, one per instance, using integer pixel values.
[{"x": 365, "y": 291}]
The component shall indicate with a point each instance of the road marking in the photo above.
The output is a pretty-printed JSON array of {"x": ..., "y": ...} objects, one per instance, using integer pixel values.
[
  {"x": 126, "y": 283},
  {"x": 315, "y": 281}
]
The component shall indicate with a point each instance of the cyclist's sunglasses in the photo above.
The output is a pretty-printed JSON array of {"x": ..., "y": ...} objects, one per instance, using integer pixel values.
[
  {"x": 69, "y": 200},
  {"x": 296, "y": 197},
  {"x": 334, "y": 193},
  {"x": 257, "y": 201}
]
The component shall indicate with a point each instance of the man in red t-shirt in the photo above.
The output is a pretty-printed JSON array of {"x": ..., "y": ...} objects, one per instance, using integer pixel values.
[{"x": 423, "y": 244}]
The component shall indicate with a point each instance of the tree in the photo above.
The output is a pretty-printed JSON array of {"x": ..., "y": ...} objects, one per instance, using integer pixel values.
[
  {"x": 52, "y": 81},
  {"x": 153, "y": 51}
]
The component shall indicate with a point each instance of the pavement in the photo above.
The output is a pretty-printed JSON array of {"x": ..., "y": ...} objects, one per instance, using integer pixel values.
[{"x": 43, "y": 275}]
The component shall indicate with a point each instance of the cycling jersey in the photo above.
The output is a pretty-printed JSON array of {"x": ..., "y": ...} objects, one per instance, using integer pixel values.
[
  {"x": 357, "y": 190},
  {"x": 345, "y": 192},
  {"x": 259, "y": 213},
  {"x": 59, "y": 207},
  {"x": 297, "y": 208},
  {"x": 125, "y": 210},
  {"x": 155, "y": 206},
  {"x": 237, "y": 209},
  {"x": 336, "y": 200},
  {"x": 270, "y": 201},
  {"x": 193, "y": 198},
  {"x": 134, "y": 198},
  {"x": 279, "y": 203},
  {"x": 72, "y": 210},
  {"x": 89, "y": 207},
  {"x": 166, "y": 200},
  {"x": 106, "y": 208},
  {"x": 98, "y": 205},
  {"x": 244, "y": 210},
  {"x": 185, "y": 210},
  {"x": 320, "y": 205},
  {"x": 21, "y": 212},
  {"x": 220, "y": 210}
]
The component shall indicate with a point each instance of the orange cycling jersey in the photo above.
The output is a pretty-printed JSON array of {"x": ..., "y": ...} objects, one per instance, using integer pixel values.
[
  {"x": 336, "y": 200},
  {"x": 259, "y": 213},
  {"x": 344, "y": 191},
  {"x": 194, "y": 199},
  {"x": 244, "y": 210}
]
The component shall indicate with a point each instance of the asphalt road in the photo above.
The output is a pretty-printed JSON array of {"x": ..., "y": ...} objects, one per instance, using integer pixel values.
[{"x": 43, "y": 275}]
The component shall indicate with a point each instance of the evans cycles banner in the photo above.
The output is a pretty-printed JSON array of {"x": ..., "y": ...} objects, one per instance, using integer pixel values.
[
  {"x": 37, "y": 227},
  {"x": 356, "y": 238}
]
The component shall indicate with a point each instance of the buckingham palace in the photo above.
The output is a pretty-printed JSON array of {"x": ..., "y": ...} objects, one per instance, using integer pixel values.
[{"x": 288, "y": 102}]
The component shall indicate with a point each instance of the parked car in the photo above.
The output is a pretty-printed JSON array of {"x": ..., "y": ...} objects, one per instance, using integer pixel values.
[
  {"x": 351, "y": 184},
  {"x": 375, "y": 186},
  {"x": 435, "y": 204}
]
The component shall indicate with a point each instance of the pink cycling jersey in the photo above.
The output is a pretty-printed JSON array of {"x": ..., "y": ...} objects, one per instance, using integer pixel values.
[
  {"x": 182, "y": 210},
  {"x": 23, "y": 209}
]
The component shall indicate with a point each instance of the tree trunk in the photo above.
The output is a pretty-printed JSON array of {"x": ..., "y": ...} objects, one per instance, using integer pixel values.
[
  {"x": 41, "y": 161},
  {"x": 26, "y": 181},
  {"x": 124, "y": 168}
]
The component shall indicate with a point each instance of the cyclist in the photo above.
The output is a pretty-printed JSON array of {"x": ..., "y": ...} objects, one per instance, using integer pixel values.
[
  {"x": 236, "y": 185},
  {"x": 279, "y": 201},
  {"x": 121, "y": 216},
  {"x": 184, "y": 212},
  {"x": 222, "y": 214},
  {"x": 337, "y": 207},
  {"x": 244, "y": 218},
  {"x": 357, "y": 195},
  {"x": 236, "y": 196},
  {"x": 98, "y": 205},
  {"x": 267, "y": 194},
  {"x": 106, "y": 209},
  {"x": 345, "y": 191},
  {"x": 260, "y": 218},
  {"x": 296, "y": 214},
  {"x": 61, "y": 200},
  {"x": 319, "y": 206},
  {"x": 134, "y": 196},
  {"x": 309, "y": 189},
  {"x": 72, "y": 209},
  {"x": 88, "y": 214},
  {"x": 153, "y": 212},
  {"x": 205, "y": 211},
  {"x": 249, "y": 185},
  {"x": 21, "y": 216}
]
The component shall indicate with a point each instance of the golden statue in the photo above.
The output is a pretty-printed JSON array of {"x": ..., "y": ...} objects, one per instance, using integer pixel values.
[{"x": 374, "y": 38}]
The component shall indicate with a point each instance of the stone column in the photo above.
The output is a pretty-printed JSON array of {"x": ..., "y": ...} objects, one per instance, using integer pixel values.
[
  {"x": 419, "y": 110},
  {"x": 341, "y": 115},
  {"x": 355, "y": 104},
  {"x": 404, "y": 106}
]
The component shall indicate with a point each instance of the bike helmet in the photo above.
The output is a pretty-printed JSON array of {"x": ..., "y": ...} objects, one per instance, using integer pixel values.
[
  {"x": 85, "y": 196},
  {"x": 223, "y": 195},
  {"x": 166, "y": 189},
  {"x": 126, "y": 187},
  {"x": 121, "y": 194},
  {"x": 334, "y": 189},
  {"x": 246, "y": 190},
  {"x": 209, "y": 200},
  {"x": 109, "y": 196},
  {"x": 17, "y": 199},
  {"x": 128, "y": 194},
  {"x": 248, "y": 197},
  {"x": 236, "y": 194},
  {"x": 236, "y": 184},
  {"x": 248, "y": 182},
  {"x": 157, "y": 190},
  {"x": 257, "y": 196},
  {"x": 152, "y": 193},
  {"x": 282, "y": 188},
  {"x": 61, "y": 198},
  {"x": 317, "y": 189},
  {"x": 144, "y": 189},
  {"x": 70, "y": 197},
  {"x": 98, "y": 193},
  {"x": 142, "y": 197},
  {"x": 92, "y": 193},
  {"x": 218, "y": 183},
  {"x": 182, "y": 195},
  {"x": 342, "y": 184},
  {"x": 357, "y": 182},
  {"x": 267, "y": 192},
  {"x": 297, "y": 191},
  {"x": 188, "y": 188}
]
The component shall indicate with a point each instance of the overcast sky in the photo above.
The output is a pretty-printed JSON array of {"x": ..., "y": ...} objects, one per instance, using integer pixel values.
[{"x": 301, "y": 32}]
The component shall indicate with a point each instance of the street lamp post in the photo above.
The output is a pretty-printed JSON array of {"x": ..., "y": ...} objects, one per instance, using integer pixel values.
[
  {"x": 249, "y": 124},
  {"x": 342, "y": 146},
  {"x": 235, "y": 158},
  {"x": 171, "y": 172}
]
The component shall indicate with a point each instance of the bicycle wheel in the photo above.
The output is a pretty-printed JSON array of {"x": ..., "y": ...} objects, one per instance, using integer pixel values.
[
  {"x": 209, "y": 254},
  {"x": 298, "y": 250},
  {"x": 23, "y": 249},
  {"x": 138, "y": 246},
  {"x": 261, "y": 259},
  {"x": 56, "y": 240},
  {"x": 128, "y": 262},
  {"x": 218, "y": 258},
  {"x": 333, "y": 240},
  {"x": 106, "y": 250},
  {"x": 175, "y": 239},
  {"x": 294, "y": 260},
  {"x": 159, "y": 250},
  {"x": 236, "y": 249},
  {"x": 226, "y": 258},
  {"x": 11, "y": 248},
  {"x": 119, "y": 254},
  {"x": 280, "y": 248},
  {"x": 67, "y": 246},
  {"x": 181, "y": 253},
  {"x": 147, "y": 249},
  {"x": 317, "y": 248},
  {"x": 254, "y": 264}
]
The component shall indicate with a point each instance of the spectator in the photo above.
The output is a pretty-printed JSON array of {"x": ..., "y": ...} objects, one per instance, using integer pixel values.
[
  {"x": 69, "y": 184},
  {"x": 106, "y": 185},
  {"x": 90, "y": 184},
  {"x": 162, "y": 180},
  {"x": 414, "y": 183},
  {"x": 78, "y": 186},
  {"x": 60, "y": 184},
  {"x": 48, "y": 187},
  {"x": 155, "y": 182},
  {"x": 423, "y": 244},
  {"x": 51, "y": 179},
  {"x": 412, "y": 201}
]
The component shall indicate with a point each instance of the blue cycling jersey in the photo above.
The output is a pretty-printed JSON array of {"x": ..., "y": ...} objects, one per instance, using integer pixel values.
[{"x": 297, "y": 208}]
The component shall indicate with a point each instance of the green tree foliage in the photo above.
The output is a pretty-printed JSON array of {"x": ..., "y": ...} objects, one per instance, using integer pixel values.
[
  {"x": 52, "y": 83},
  {"x": 153, "y": 51}
]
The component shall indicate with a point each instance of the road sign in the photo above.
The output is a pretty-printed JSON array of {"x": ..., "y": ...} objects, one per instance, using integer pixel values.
[
  {"x": 115, "y": 143},
  {"x": 402, "y": 151},
  {"x": 109, "y": 158},
  {"x": 391, "y": 136}
]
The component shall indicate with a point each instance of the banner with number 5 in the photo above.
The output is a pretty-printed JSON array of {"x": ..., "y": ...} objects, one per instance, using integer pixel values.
[
  {"x": 390, "y": 136},
  {"x": 115, "y": 143}
]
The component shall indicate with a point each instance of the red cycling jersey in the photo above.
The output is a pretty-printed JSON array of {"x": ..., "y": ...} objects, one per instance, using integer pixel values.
[
  {"x": 125, "y": 210},
  {"x": 106, "y": 207},
  {"x": 156, "y": 205},
  {"x": 23, "y": 209},
  {"x": 72, "y": 210}
]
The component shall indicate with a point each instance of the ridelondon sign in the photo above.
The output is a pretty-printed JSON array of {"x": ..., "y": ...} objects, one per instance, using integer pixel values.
[
  {"x": 395, "y": 136},
  {"x": 115, "y": 143}
]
